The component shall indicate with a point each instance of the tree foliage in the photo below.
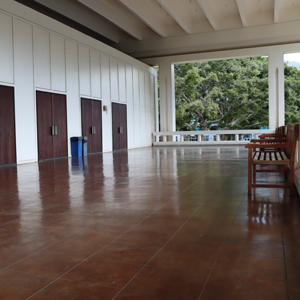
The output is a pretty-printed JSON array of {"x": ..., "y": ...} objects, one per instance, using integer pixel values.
[
  {"x": 292, "y": 94},
  {"x": 227, "y": 94}
]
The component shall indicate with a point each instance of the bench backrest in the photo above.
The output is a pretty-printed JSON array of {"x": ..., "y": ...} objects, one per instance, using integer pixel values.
[
  {"x": 281, "y": 130},
  {"x": 292, "y": 136}
]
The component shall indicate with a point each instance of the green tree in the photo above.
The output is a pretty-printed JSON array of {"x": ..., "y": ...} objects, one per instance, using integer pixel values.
[
  {"x": 292, "y": 94},
  {"x": 227, "y": 94}
]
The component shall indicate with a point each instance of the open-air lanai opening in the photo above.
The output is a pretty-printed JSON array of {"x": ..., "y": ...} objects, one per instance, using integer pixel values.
[
  {"x": 292, "y": 87},
  {"x": 227, "y": 94}
]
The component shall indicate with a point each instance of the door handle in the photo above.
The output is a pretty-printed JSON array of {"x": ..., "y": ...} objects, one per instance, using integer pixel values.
[
  {"x": 93, "y": 129},
  {"x": 120, "y": 129},
  {"x": 54, "y": 130}
]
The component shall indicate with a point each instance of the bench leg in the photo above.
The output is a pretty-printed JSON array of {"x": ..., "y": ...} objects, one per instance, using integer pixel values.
[
  {"x": 250, "y": 166},
  {"x": 292, "y": 179},
  {"x": 254, "y": 173},
  {"x": 286, "y": 171}
]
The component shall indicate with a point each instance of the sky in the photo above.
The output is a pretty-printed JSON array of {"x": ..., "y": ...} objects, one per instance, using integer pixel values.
[{"x": 292, "y": 57}]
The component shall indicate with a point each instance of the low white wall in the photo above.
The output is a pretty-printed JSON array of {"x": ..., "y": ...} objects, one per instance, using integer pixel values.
[{"x": 38, "y": 53}]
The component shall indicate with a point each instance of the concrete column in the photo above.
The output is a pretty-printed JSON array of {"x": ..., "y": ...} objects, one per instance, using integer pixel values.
[
  {"x": 276, "y": 89},
  {"x": 167, "y": 97},
  {"x": 156, "y": 109}
]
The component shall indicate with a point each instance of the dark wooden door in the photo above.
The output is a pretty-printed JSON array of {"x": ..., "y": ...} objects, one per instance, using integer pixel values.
[
  {"x": 86, "y": 122},
  {"x": 7, "y": 126},
  {"x": 119, "y": 126},
  {"x": 60, "y": 139},
  {"x": 97, "y": 122},
  {"x": 52, "y": 125},
  {"x": 44, "y": 123},
  {"x": 91, "y": 118},
  {"x": 115, "y": 126}
]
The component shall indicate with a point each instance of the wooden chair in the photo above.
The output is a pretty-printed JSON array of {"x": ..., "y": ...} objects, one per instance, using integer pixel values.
[{"x": 280, "y": 152}]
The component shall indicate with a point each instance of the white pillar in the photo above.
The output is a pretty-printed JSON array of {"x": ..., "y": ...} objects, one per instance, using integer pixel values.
[
  {"x": 167, "y": 97},
  {"x": 156, "y": 107},
  {"x": 276, "y": 89}
]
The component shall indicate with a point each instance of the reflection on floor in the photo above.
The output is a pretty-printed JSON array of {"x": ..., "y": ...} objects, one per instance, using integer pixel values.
[{"x": 151, "y": 223}]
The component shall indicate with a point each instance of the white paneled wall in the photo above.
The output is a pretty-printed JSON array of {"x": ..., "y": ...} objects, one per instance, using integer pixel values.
[
  {"x": 106, "y": 117},
  {"x": 73, "y": 101},
  {"x": 25, "y": 108},
  {"x": 58, "y": 63},
  {"x": 122, "y": 82},
  {"x": 84, "y": 71},
  {"x": 6, "y": 49},
  {"x": 95, "y": 74},
  {"x": 130, "y": 115},
  {"x": 136, "y": 108},
  {"x": 114, "y": 84},
  {"x": 142, "y": 106},
  {"x": 33, "y": 57},
  {"x": 42, "y": 63}
]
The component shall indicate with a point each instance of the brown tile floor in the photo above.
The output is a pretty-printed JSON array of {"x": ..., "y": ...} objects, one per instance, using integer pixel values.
[{"x": 161, "y": 223}]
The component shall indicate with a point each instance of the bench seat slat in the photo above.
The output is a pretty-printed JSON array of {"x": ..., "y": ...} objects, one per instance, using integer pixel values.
[{"x": 270, "y": 157}]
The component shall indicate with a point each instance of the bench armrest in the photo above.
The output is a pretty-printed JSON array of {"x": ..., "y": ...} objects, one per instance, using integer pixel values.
[
  {"x": 263, "y": 146},
  {"x": 271, "y": 136},
  {"x": 282, "y": 140}
]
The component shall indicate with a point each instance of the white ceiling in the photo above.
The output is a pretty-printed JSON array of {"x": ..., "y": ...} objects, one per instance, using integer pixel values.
[{"x": 145, "y": 28}]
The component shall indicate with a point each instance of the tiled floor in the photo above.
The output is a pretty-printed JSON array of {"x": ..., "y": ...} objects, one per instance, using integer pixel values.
[{"x": 151, "y": 223}]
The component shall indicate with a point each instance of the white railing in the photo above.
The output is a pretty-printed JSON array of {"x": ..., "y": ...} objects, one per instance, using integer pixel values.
[{"x": 212, "y": 137}]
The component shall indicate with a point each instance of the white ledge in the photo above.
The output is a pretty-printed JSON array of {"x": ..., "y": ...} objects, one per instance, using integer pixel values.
[
  {"x": 201, "y": 143},
  {"x": 245, "y": 131}
]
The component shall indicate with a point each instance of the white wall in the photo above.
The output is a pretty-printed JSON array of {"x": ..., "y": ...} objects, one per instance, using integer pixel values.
[{"x": 38, "y": 53}]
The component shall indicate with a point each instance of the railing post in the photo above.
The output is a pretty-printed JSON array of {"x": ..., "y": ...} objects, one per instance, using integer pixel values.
[
  {"x": 182, "y": 138},
  {"x": 256, "y": 135},
  {"x": 164, "y": 138},
  {"x": 217, "y": 138},
  {"x": 199, "y": 137},
  {"x": 237, "y": 136}
]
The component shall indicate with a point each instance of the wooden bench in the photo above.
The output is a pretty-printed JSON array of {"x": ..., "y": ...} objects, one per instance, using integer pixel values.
[
  {"x": 278, "y": 151},
  {"x": 279, "y": 133}
]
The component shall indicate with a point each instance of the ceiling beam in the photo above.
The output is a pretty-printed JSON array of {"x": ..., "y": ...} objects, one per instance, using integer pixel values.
[
  {"x": 117, "y": 14},
  {"x": 142, "y": 11},
  {"x": 242, "y": 12},
  {"x": 208, "y": 12},
  {"x": 276, "y": 11},
  {"x": 176, "y": 13},
  {"x": 254, "y": 40},
  {"x": 76, "y": 12}
]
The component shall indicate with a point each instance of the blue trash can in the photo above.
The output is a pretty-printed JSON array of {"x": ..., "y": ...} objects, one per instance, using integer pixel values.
[{"x": 76, "y": 146}]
